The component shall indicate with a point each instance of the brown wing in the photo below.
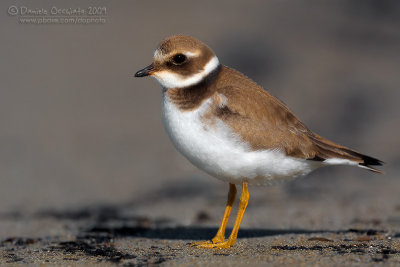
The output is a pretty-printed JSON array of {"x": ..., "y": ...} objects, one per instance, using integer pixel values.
[{"x": 266, "y": 123}]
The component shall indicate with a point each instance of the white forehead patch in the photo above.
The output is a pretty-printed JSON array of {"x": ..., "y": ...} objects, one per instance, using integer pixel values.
[
  {"x": 157, "y": 55},
  {"x": 169, "y": 79}
]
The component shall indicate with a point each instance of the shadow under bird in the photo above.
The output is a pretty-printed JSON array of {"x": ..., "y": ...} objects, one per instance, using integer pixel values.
[{"x": 231, "y": 128}]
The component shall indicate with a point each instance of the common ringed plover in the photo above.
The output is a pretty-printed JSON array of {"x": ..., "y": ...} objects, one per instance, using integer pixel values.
[{"x": 231, "y": 128}]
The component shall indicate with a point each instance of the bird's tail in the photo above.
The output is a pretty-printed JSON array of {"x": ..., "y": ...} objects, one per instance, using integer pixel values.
[{"x": 332, "y": 153}]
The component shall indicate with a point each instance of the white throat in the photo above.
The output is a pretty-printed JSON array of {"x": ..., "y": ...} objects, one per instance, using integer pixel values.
[{"x": 169, "y": 79}]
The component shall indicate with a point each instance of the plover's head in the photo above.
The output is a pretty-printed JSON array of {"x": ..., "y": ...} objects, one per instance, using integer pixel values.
[{"x": 180, "y": 61}]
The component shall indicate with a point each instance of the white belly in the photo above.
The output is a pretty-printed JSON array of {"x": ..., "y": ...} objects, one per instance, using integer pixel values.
[{"x": 219, "y": 152}]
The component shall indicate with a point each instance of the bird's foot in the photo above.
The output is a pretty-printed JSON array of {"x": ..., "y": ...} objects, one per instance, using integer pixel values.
[
  {"x": 217, "y": 239},
  {"x": 200, "y": 243},
  {"x": 208, "y": 244}
]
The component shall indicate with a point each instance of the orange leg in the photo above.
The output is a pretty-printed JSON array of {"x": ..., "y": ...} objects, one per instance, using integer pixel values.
[
  {"x": 220, "y": 236},
  {"x": 244, "y": 200}
]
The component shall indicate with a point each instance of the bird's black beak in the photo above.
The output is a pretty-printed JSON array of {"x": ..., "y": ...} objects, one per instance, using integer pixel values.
[{"x": 145, "y": 72}]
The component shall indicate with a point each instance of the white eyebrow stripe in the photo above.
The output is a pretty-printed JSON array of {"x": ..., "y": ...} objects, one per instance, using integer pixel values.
[
  {"x": 158, "y": 55},
  {"x": 191, "y": 54},
  {"x": 168, "y": 79}
]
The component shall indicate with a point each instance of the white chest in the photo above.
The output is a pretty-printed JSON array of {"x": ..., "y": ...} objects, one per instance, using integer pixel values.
[{"x": 220, "y": 152}]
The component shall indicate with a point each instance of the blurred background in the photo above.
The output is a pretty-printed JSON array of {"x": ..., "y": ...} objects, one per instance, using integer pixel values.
[{"x": 78, "y": 130}]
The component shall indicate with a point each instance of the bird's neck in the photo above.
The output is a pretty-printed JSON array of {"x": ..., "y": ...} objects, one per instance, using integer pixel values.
[{"x": 191, "y": 97}]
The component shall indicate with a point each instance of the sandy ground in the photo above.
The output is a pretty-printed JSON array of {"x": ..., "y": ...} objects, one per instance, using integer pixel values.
[
  {"x": 292, "y": 224},
  {"x": 88, "y": 175}
]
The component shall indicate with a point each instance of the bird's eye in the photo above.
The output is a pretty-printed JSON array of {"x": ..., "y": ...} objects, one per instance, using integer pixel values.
[{"x": 179, "y": 58}]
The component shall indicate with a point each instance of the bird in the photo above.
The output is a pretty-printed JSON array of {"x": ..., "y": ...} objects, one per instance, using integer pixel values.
[{"x": 230, "y": 127}]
